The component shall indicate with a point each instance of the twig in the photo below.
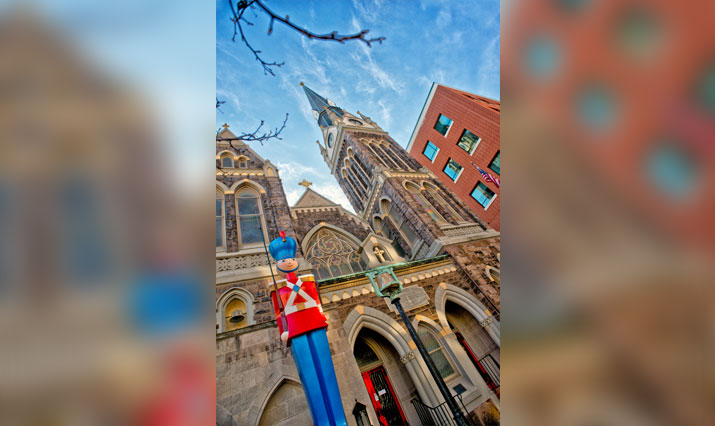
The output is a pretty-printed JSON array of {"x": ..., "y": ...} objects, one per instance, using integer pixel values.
[
  {"x": 243, "y": 5},
  {"x": 254, "y": 136}
]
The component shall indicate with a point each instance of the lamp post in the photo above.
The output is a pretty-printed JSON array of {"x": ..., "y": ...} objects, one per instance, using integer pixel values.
[{"x": 386, "y": 284}]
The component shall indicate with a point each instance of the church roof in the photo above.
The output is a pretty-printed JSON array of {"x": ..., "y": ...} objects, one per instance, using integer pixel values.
[
  {"x": 311, "y": 198},
  {"x": 320, "y": 104}
]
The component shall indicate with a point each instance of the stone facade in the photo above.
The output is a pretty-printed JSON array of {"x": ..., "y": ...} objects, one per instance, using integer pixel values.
[{"x": 441, "y": 261}]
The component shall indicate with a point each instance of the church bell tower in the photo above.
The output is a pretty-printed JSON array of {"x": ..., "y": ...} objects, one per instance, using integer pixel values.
[{"x": 386, "y": 186}]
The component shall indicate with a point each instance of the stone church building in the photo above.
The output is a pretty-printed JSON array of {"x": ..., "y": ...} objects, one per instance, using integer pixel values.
[{"x": 446, "y": 258}]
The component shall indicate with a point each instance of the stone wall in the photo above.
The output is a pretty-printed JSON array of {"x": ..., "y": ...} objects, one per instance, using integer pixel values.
[
  {"x": 473, "y": 257},
  {"x": 263, "y": 309},
  {"x": 252, "y": 364}
]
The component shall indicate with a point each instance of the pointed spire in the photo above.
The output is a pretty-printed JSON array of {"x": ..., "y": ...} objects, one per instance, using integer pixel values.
[{"x": 321, "y": 106}]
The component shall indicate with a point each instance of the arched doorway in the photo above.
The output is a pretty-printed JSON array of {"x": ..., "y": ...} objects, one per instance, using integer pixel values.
[
  {"x": 387, "y": 380},
  {"x": 481, "y": 348}
]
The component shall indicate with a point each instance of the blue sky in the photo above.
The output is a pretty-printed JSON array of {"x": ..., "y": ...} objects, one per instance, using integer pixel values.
[{"x": 455, "y": 43}]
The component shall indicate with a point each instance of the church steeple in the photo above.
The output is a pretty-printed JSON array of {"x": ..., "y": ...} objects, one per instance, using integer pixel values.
[{"x": 321, "y": 107}]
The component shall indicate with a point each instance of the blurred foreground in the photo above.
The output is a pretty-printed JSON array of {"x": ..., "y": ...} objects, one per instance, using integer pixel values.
[
  {"x": 105, "y": 314},
  {"x": 608, "y": 133}
]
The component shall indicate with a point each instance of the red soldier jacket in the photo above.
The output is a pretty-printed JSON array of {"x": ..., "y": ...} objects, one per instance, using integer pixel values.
[{"x": 300, "y": 299}]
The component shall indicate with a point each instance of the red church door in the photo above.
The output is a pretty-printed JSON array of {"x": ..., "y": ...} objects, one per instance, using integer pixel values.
[{"x": 383, "y": 398}]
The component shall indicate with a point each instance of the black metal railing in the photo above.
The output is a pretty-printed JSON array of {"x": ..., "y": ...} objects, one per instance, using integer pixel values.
[
  {"x": 439, "y": 415},
  {"x": 491, "y": 368}
]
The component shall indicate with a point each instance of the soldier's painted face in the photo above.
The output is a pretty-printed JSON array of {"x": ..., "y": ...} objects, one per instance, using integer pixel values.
[{"x": 287, "y": 265}]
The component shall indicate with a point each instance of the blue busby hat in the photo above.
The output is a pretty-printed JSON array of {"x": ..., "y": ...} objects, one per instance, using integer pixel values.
[{"x": 283, "y": 247}]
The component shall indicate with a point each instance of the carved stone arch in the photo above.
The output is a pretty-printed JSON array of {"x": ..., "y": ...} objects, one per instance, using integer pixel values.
[
  {"x": 227, "y": 297},
  {"x": 366, "y": 317},
  {"x": 333, "y": 251},
  {"x": 256, "y": 413},
  {"x": 467, "y": 301},
  {"x": 226, "y": 151},
  {"x": 407, "y": 183},
  {"x": 382, "y": 205},
  {"x": 247, "y": 182},
  {"x": 447, "y": 340},
  {"x": 318, "y": 227},
  {"x": 224, "y": 417},
  {"x": 220, "y": 186},
  {"x": 493, "y": 274},
  {"x": 434, "y": 191},
  {"x": 242, "y": 159}
]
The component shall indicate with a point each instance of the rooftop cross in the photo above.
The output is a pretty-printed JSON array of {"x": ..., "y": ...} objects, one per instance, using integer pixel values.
[{"x": 305, "y": 183}]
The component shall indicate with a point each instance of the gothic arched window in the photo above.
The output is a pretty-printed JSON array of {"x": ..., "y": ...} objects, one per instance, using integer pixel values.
[
  {"x": 399, "y": 223},
  {"x": 434, "y": 192},
  {"x": 332, "y": 254},
  {"x": 436, "y": 351},
  {"x": 249, "y": 216},
  {"x": 220, "y": 239},
  {"x": 414, "y": 190},
  {"x": 227, "y": 160}
]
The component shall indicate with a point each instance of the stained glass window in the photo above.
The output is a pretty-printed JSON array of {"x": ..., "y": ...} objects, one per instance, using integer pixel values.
[
  {"x": 435, "y": 352},
  {"x": 333, "y": 254}
]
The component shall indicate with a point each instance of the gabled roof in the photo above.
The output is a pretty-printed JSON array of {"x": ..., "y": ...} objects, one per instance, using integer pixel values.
[
  {"x": 311, "y": 198},
  {"x": 227, "y": 134}
]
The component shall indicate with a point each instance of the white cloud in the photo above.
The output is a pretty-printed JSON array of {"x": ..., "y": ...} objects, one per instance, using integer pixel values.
[
  {"x": 333, "y": 192},
  {"x": 378, "y": 74},
  {"x": 292, "y": 195},
  {"x": 292, "y": 171},
  {"x": 386, "y": 116}
]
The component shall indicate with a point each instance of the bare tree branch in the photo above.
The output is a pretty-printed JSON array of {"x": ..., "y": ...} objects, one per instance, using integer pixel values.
[
  {"x": 242, "y": 5},
  {"x": 256, "y": 136}
]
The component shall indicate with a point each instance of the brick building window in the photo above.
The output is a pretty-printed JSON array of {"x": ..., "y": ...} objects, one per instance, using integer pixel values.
[
  {"x": 249, "y": 217},
  {"x": 443, "y": 124},
  {"x": 483, "y": 195},
  {"x": 243, "y": 162},
  {"x": 430, "y": 151},
  {"x": 219, "y": 221},
  {"x": 494, "y": 165},
  {"x": 468, "y": 141},
  {"x": 452, "y": 169}
]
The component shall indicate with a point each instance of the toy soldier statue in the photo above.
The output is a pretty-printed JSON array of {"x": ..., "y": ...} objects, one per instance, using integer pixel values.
[{"x": 304, "y": 331}]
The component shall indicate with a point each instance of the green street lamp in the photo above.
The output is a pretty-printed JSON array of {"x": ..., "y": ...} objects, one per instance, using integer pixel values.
[{"x": 385, "y": 283}]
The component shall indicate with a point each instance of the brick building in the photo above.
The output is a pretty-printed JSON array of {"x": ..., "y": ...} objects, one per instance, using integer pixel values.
[
  {"x": 457, "y": 132},
  {"x": 446, "y": 258}
]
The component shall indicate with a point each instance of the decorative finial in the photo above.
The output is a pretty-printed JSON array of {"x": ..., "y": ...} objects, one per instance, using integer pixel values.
[
  {"x": 225, "y": 126},
  {"x": 305, "y": 183},
  {"x": 301, "y": 83}
]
